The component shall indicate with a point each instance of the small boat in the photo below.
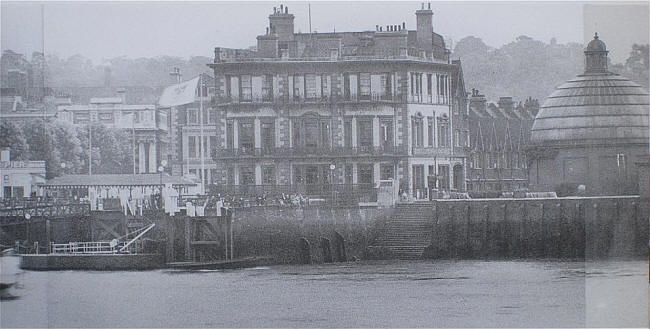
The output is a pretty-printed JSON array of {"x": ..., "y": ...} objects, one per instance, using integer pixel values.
[{"x": 4, "y": 291}]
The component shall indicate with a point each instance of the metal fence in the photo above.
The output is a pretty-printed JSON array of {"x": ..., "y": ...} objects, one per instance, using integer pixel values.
[{"x": 336, "y": 194}]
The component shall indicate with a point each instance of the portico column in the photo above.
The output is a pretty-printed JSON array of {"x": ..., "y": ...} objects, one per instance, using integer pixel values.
[
  {"x": 141, "y": 160},
  {"x": 153, "y": 166}
]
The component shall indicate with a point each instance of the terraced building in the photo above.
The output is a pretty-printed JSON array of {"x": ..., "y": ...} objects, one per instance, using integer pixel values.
[{"x": 316, "y": 113}]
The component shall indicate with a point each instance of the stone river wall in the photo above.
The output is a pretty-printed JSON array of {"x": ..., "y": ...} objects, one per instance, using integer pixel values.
[{"x": 598, "y": 227}]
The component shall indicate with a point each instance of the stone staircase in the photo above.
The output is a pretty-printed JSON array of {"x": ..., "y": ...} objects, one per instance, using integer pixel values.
[{"x": 408, "y": 232}]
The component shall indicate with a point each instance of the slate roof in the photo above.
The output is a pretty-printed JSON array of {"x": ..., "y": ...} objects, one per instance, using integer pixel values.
[{"x": 590, "y": 108}]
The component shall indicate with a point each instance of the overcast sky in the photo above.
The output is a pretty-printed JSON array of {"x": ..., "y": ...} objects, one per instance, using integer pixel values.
[{"x": 99, "y": 30}]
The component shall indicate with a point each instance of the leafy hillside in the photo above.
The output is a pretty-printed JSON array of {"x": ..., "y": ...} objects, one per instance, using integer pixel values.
[
  {"x": 522, "y": 68},
  {"x": 528, "y": 67}
]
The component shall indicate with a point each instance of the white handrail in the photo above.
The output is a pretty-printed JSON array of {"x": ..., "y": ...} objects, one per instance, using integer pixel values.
[{"x": 138, "y": 236}]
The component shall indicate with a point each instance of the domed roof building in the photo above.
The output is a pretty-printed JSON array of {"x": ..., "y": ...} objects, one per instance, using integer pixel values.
[{"x": 590, "y": 131}]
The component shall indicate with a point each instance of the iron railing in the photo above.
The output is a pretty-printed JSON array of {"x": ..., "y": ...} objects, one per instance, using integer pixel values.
[
  {"x": 312, "y": 193},
  {"x": 96, "y": 247},
  {"x": 303, "y": 99},
  {"x": 51, "y": 211},
  {"x": 302, "y": 151}
]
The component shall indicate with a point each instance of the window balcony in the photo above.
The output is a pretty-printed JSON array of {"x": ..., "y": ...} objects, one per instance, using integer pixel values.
[
  {"x": 296, "y": 99},
  {"x": 432, "y": 151},
  {"x": 305, "y": 151}
]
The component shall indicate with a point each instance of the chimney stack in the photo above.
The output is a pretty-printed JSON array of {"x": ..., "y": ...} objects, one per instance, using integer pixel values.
[
  {"x": 424, "y": 33},
  {"x": 281, "y": 23}
]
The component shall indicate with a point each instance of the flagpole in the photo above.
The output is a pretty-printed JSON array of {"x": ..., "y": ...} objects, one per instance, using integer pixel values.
[
  {"x": 133, "y": 142},
  {"x": 90, "y": 147},
  {"x": 201, "y": 131}
]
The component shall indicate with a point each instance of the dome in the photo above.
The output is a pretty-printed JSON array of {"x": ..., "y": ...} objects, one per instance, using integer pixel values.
[
  {"x": 597, "y": 107},
  {"x": 596, "y": 44}
]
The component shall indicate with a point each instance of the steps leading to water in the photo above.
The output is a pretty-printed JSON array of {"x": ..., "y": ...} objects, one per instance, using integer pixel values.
[{"x": 408, "y": 232}]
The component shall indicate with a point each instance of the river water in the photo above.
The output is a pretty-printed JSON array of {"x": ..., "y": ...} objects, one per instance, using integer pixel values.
[{"x": 359, "y": 294}]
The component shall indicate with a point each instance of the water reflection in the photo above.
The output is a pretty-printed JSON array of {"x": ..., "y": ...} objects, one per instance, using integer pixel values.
[{"x": 359, "y": 294}]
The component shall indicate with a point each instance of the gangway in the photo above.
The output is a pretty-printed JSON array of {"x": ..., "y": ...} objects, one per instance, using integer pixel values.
[{"x": 114, "y": 246}]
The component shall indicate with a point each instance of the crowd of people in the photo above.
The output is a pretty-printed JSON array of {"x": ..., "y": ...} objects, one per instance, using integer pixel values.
[{"x": 295, "y": 200}]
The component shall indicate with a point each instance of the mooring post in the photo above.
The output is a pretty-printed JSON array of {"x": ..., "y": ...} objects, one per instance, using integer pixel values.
[
  {"x": 170, "y": 239},
  {"x": 188, "y": 238},
  {"x": 486, "y": 227},
  {"x": 542, "y": 242},
  {"x": 48, "y": 238},
  {"x": 339, "y": 247},
  {"x": 304, "y": 251},
  {"x": 468, "y": 239},
  {"x": 524, "y": 248},
  {"x": 505, "y": 233},
  {"x": 224, "y": 220},
  {"x": 232, "y": 243},
  {"x": 326, "y": 248}
]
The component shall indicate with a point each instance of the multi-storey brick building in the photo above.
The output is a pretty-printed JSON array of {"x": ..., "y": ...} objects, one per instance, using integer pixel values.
[
  {"x": 499, "y": 136},
  {"x": 307, "y": 110}
]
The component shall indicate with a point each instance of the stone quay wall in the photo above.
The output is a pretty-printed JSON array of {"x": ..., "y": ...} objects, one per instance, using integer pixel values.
[
  {"x": 276, "y": 231},
  {"x": 592, "y": 228}
]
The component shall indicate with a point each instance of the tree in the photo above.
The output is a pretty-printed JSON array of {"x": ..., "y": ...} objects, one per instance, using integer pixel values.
[
  {"x": 13, "y": 138},
  {"x": 42, "y": 146},
  {"x": 68, "y": 146},
  {"x": 522, "y": 68},
  {"x": 636, "y": 66},
  {"x": 111, "y": 150}
]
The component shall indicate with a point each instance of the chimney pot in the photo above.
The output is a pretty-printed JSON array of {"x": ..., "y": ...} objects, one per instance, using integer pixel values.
[
  {"x": 281, "y": 8},
  {"x": 404, "y": 25},
  {"x": 286, "y": 10},
  {"x": 275, "y": 10},
  {"x": 376, "y": 27},
  {"x": 429, "y": 5},
  {"x": 381, "y": 29},
  {"x": 423, "y": 6}
]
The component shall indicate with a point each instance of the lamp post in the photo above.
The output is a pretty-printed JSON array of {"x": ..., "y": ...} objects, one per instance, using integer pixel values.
[
  {"x": 332, "y": 167},
  {"x": 161, "y": 169}
]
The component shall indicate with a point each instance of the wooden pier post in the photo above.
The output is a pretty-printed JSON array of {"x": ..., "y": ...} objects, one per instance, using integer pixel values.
[
  {"x": 169, "y": 257},
  {"x": 188, "y": 238},
  {"x": 48, "y": 233},
  {"x": 225, "y": 220}
]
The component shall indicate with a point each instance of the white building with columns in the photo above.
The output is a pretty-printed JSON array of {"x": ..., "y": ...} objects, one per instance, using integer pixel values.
[{"x": 147, "y": 124}]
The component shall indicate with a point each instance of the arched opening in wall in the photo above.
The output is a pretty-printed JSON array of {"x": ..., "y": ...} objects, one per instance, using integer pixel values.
[{"x": 459, "y": 177}]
